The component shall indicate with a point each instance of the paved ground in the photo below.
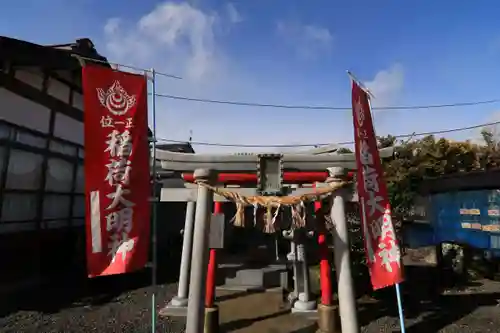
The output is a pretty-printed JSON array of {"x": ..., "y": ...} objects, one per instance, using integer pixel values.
[
  {"x": 257, "y": 312},
  {"x": 106, "y": 307}
]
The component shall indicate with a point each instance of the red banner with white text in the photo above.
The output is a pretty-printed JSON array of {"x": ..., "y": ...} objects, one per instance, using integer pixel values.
[
  {"x": 381, "y": 245},
  {"x": 117, "y": 182}
]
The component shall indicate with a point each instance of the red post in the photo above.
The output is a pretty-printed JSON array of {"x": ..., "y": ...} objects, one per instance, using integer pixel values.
[
  {"x": 324, "y": 265},
  {"x": 212, "y": 268}
]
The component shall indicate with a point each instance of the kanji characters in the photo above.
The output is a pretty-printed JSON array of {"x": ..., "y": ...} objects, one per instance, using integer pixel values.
[
  {"x": 120, "y": 245},
  {"x": 118, "y": 171},
  {"x": 121, "y": 220},
  {"x": 387, "y": 226},
  {"x": 376, "y": 227},
  {"x": 359, "y": 112},
  {"x": 370, "y": 177},
  {"x": 118, "y": 197},
  {"x": 389, "y": 253},
  {"x": 107, "y": 121},
  {"x": 119, "y": 144},
  {"x": 364, "y": 152},
  {"x": 119, "y": 224},
  {"x": 129, "y": 122},
  {"x": 382, "y": 227},
  {"x": 373, "y": 203}
]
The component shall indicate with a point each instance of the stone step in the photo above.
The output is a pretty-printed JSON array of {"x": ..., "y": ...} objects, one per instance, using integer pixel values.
[{"x": 240, "y": 276}]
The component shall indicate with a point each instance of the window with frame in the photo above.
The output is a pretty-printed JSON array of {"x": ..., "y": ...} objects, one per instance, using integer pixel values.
[
  {"x": 24, "y": 171},
  {"x": 59, "y": 176},
  {"x": 56, "y": 206},
  {"x": 19, "y": 207}
]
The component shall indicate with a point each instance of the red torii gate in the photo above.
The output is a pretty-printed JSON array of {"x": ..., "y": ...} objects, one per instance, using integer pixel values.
[{"x": 293, "y": 177}]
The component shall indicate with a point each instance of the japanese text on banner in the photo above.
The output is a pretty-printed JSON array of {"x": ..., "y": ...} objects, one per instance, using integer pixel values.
[
  {"x": 116, "y": 158},
  {"x": 381, "y": 245},
  {"x": 120, "y": 211}
]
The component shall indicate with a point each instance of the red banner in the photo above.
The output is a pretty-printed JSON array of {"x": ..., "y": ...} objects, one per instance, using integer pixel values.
[
  {"x": 117, "y": 187},
  {"x": 381, "y": 245}
]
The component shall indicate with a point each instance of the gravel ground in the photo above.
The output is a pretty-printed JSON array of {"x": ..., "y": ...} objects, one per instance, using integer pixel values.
[
  {"x": 463, "y": 312},
  {"x": 115, "y": 305},
  {"x": 467, "y": 308},
  {"x": 109, "y": 305}
]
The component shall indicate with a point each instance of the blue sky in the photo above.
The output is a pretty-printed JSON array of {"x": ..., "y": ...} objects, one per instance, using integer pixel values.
[{"x": 289, "y": 52}]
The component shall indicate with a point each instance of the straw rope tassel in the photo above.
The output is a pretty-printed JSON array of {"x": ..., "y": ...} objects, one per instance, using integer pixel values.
[
  {"x": 269, "y": 228},
  {"x": 239, "y": 218},
  {"x": 273, "y": 202}
]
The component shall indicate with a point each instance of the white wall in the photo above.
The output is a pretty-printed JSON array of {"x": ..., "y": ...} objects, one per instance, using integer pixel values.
[
  {"x": 24, "y": 112},
  {"x": 24, "y": 171},
  {"x": 27, "y": 113},
  {"x": 68, "y": 129}
]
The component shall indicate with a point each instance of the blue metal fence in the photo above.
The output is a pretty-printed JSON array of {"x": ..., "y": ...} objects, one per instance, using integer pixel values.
[{"x": 466, "y": 217}]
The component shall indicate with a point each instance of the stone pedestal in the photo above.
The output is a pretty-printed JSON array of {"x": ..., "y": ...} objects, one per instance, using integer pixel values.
[
  {"x": 328, "y": 319},
  {"x": 211, "y": 320},
  {"x": 303, "y": 304}
]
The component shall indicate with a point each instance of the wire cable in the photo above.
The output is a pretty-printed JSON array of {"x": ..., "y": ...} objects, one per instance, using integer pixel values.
[
  {"x": 320, "y": 107},
  {"x": 309, "y": 107},
  {"x": 128, "y": 66},
  {"x": 282, "y": 106},
  {"x": 400, "y": 136}
]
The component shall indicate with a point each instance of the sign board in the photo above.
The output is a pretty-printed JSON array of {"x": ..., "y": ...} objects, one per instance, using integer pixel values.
[{"x": 216, "y": 236}]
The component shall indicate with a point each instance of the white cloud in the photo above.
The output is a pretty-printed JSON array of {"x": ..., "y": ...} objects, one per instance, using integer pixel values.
[
  {"x": 112, "y": 25},
  {"x": 308, "y": 40},
  {"x": 387, "y": 85},
  {"x": 233, "y": 14},
  {"x": 182, "y": 39},
  {"x": 184, "y": 34}
]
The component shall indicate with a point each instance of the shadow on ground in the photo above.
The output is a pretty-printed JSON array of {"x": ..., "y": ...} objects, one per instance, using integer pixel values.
[
  {"x": 309, "y": 329},
  {"x": 424, "y": 301},
  {"x": 242, "y": 323},
  {"x": 427, "y": 308},
  {"x": 77, "y": 290}
]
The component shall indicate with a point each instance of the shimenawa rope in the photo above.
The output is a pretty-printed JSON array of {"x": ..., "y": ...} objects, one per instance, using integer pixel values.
[{"x": 272, "y": 204}]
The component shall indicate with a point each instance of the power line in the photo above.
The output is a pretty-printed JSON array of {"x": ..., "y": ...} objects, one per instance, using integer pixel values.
[
  {"x": 127, "y": 66},
  {"x": 320, "y": 107},
  {"x": 282, "y": 106},
  {"x": 400, "y": 136}
]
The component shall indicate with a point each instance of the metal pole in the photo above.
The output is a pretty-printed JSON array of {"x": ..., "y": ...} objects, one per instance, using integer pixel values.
[
  {"x": 154, "y": 213},
  {"x": 347, "y": 300},
  {"x": 400, "y": 308},
  {"x": 187, "y": 246},
  {"x": 199, "y": 259}
]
